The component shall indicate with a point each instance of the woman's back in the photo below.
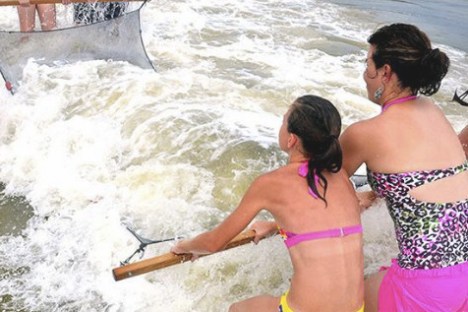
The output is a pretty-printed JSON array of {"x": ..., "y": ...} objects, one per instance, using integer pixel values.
[
  {"x": 327, "y": 271},
  {"x": 414, "y": 137}
]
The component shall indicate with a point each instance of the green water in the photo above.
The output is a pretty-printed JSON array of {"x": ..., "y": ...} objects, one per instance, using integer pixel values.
[{"x": 14, "y": 213}]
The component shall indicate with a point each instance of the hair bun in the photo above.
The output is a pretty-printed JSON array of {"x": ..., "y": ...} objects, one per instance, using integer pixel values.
[
  {"x": 430, "y": 56},
  {"x": 434, "y": 67}
]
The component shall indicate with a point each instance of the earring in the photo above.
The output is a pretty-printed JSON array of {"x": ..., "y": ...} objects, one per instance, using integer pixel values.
[{"x": 378, "y": 92}]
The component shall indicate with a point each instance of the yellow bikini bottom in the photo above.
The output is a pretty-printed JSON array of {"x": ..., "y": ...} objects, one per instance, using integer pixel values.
[{"x": 284, "y": 307}]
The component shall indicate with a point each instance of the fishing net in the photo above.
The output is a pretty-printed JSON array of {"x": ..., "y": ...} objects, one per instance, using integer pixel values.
[
  {"x": 117, "y": 39},
  {"x": 88, "y": 13}
]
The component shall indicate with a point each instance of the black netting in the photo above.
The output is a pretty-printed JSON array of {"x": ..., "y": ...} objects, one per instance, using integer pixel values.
[
  {"x": 88, "y": 13},
  {"x": 117, "y": 39}
]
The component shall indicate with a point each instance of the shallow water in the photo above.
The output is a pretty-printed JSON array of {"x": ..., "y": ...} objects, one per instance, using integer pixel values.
[{"x": 88, "y": 148}]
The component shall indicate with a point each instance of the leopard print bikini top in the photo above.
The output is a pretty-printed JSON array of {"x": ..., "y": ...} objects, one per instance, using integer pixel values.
[{"x": 430, "y": 235}]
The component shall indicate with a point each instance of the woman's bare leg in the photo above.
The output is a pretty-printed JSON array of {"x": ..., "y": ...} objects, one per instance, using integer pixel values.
[
  {"x": 371, "y": 291},
  {"x": 256, "y": 304},
  {"x": 47, "y": 16},
  {"x": 27, "y": 17}
]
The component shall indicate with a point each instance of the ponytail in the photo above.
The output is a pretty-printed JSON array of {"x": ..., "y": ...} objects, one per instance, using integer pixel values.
[{"x": 318, "y": 124}]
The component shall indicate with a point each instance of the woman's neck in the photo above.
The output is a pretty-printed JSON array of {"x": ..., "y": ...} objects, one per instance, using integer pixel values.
[
  {"x": 398, "y": 101},
  {"x": 297, "y": 158},
  {"x": 394, "y": 96}
]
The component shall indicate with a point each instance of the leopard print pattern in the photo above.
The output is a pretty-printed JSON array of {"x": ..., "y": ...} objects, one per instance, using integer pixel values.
[{"x": 430, "y": 235}]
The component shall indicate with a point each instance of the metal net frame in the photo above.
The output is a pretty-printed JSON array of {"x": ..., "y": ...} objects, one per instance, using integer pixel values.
[{"x": 117, "y": 39}]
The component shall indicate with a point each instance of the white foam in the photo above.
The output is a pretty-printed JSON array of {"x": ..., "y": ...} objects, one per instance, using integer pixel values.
[{"x": 96, "y": 146}]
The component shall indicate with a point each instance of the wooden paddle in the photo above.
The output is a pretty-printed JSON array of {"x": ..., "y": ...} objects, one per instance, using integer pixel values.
[
  {"x": 169, "y": 259},
  {"x": 16, "y": 2}
]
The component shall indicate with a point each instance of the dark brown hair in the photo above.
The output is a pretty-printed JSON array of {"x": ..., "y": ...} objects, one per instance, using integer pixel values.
[
  {"x": 318, "y": 124},
  {"x": 409, "y": 52}
]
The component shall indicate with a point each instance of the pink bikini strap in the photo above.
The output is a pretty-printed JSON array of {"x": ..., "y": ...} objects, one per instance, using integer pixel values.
[
  {"x": 303, "y": 171},
  {"x": 397, "y": 101},
  {"x": 293, "y": 239}
]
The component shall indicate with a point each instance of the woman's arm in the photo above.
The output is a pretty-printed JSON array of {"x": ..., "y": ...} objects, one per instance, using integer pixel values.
[
  {"x": 264, "y": 229},
  {"x": 365, "y": 199},
  {"x": 463, "y": 136},
  {"x": 214, "y": 240},
  {"x": 353, "y": 148}
]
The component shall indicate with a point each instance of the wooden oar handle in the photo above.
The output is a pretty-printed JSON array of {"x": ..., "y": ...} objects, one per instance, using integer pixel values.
[
  {"x": 16, "y": 2},
  {"x": 169, "y": 259}
]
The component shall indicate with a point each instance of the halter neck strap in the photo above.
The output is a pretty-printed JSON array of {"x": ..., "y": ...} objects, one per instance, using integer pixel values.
[
  {"x": 397, "y": 101},
  {"x": 303, "y": 171}
]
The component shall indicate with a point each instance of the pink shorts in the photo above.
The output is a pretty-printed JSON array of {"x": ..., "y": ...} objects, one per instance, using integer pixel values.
[{"x": 438, "y": 290}]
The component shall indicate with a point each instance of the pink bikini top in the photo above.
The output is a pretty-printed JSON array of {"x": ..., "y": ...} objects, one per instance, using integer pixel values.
[{"x": 291, "y": 239}]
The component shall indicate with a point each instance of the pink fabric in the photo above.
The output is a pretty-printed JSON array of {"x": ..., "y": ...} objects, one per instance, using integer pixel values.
[
  {"x": 440, "y": 290},
  {"x": 397, "y": 101},
  {"x": 303, "y": 171},
  {"x": 291, "y": 239}
]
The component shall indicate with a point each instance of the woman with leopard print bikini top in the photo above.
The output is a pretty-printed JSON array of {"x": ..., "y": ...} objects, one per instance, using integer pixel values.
[
  {"x": 425, "y": 183},
  {"x": 430, "y": 235}
]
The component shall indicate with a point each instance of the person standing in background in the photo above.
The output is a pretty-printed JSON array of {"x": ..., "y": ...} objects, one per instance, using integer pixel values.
[{"x": 27, "y": 16}]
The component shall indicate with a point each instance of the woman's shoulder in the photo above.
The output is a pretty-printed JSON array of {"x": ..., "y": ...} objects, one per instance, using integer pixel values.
[
  {"x": 359, "y": 134},
  {"x": 274, "y": 175},
  {"x": 272, "y": 187},
  {"x": 277, "y": 179},
  {"x": 363, "y": 125}
]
